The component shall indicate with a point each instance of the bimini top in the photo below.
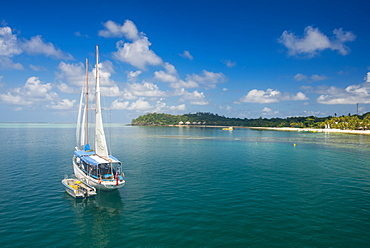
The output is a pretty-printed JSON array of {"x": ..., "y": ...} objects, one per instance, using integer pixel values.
[{"x": 90, "y": 157}]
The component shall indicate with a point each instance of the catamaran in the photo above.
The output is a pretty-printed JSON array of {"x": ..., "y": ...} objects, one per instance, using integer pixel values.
[{"x": 95, "y": 167}]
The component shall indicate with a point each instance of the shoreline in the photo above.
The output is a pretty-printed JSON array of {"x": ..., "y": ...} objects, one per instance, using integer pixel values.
[
  {"x": 290, "y": 129},
  {"x": 314, "y": 130}
]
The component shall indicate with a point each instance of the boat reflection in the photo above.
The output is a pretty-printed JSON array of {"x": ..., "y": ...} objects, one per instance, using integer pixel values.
[
  {"x": 96, "y": 219},
  {"x": 109, "y": 201}
]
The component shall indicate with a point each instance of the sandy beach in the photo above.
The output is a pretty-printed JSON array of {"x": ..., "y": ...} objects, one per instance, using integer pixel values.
[
  {"x": 328, "y": 130},
  {"x": 314, "y": 130}
]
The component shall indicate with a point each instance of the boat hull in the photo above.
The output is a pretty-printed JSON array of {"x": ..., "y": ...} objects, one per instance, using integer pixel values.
[
  {"x": 78, "y": 189},
  {"x": 106, "y": 185}
]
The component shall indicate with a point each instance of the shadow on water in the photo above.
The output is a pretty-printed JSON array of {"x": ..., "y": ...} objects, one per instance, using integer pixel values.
[
  {"x": 96, "y": 218},
  {"x": 111, "y": 202}
]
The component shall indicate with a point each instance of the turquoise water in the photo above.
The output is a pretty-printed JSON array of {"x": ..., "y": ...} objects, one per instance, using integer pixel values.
[{"x": 189, "y": 187}]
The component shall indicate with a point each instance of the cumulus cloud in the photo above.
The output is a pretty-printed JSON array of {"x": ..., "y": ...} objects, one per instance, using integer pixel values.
[
  {"x": 127, "y": 30},
  {"x": 31, "y": 93},
  {"x": 207, "y": 78},
  {"x": 300, "y": 77},
  {"x": 161, "y": 106},
  {"x": 36, "y": 46},
  {"x": 8, "y": 43},
  {"x": 78, "y": 34},
  {"x": 38, "y": 68},
  {"x": 316, "y": 77},
  {"x": 171, "y": 76},
  {"x": 137, "y": 53},
  {"x": 271, "y": 96},
  {"x": 140, "y": 104},
  {"x": 229, "y": 63},
  {"x": 133, "y": 75},
  {"x": 7, "y": 63},
  {"x": 134, "y": 90},
  {"x": 186, "y": 54},
  {"x": 194, "y": 98},
  {"x": 269, "y": 112},
  {"x": 312, "y": 78},
  {"x": 63, "y": 104},
  {"x": 367, "y": 78},
  {"x": 11, "y": 46},
  {"x": 350, "y": 95},
  {"x": 73, "y": 73},
  {"x": 314, "y": 41}
]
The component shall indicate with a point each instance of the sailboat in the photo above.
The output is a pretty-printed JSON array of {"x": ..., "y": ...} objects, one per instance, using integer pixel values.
[{"x": 95, "y": 167}]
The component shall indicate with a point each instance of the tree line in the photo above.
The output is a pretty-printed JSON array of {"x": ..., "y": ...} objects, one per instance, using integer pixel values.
[{"x": 352, "y": 122}]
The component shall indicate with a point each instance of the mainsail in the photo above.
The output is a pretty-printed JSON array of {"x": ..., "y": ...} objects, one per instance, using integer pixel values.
[
  {"x": 80, "y": 131},
  {"x": 100, "y": 142}
]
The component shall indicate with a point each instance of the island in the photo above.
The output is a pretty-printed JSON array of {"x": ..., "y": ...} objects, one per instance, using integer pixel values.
[{"x": 310, "y": 123}]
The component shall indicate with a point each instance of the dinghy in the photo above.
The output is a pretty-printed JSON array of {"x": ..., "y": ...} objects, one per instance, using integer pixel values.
[{"x": 77, "y": 188}]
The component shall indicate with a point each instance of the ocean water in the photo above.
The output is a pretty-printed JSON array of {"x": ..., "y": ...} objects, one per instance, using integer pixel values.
[{"x": 189, "y": 187}]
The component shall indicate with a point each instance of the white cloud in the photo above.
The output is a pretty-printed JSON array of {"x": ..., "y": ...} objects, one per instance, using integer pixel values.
[
  {"x": 63, "y": 104},
  {"x": 315, "y": 41},
  {"x": 271, "y": 96},
  {"x": 161, "y": 106},
  {"x": 38, "y": 68},
  {"x": 75, "y": 75},
  {"x": 31, "y": 93},
  {"x": 229, "y": 63},
  {"x": 11, "y": 46},
  {"x": 181, "y": 107},
  {"x": 7, "y": 63},
  {"x": 316, "y": 77},
  {"x": 207, "y": 78},
  {"x": 269, "y": 112},
  {"x": 300, "y": 77},
  {"x": 8, "y": 48},
  {"x": 166, "y": 77},
  {"x": 367, "y": 78},
  {"x": 194, "y": 98},
  {"x": 14, "y": 99},
  {"x": 36, "y": 45},
  {"x": 143, "y": 89},
  {"x": 186, "y": 54},
  {"x": 137, "y": 53},
  {"x": 72, "y": 73},
  {"x": 112, "y": 29},
  {"x": 8, "y": 43},
  {"x": 132, "y": 75},
  {"x": 350, "y": 95},
  {"x": 312, "y": 78},
  {"x": 260, "y": 96},
  {"x": 297, "y": 97},
  {"x": 171, "y": 76},
  {"x": 140, "y": 104},
  {"x": 78, "y": 34}
]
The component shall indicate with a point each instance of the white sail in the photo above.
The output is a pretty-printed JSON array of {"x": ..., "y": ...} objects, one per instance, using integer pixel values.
[
  {"x": 83, "y": 140},
  {"x": 100, "y": 142},
  {"x": 79, "y": 131}
]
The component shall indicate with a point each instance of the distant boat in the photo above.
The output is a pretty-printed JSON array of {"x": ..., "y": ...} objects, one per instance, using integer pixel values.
[
  {"x": 95, "y": 166},
  {"x": 78, "y": 189},
  {"x": 228, "y": 128}
]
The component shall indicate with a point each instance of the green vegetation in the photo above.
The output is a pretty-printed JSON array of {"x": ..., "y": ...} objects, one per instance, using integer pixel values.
[{"x": 353, "y": 122}]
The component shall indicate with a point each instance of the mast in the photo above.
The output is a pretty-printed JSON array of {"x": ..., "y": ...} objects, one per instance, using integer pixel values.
[
  {"x": 100, "y": 142},
  {"x": 87, "y": 103}
]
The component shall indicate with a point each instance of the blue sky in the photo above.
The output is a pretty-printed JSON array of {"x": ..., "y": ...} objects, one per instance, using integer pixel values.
[{"x": 245, "y": 59}]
